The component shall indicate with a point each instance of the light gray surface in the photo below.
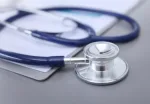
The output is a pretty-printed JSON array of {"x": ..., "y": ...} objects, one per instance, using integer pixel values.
[{"x": 65, "y": 88}]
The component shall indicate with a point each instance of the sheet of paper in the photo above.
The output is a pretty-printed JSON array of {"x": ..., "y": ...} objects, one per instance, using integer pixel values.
[{"x": 17, "y": 42}]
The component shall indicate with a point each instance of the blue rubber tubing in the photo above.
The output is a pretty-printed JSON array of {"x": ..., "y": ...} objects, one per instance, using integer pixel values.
[{"x": 59, "y": 60}]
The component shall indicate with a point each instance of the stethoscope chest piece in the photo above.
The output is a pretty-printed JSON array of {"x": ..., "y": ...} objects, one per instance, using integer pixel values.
[{"x": 104, "y": 66}]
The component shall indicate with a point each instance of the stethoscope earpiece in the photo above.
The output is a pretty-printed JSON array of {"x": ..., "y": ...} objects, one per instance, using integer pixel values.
[{"x": 104, "y": 67}]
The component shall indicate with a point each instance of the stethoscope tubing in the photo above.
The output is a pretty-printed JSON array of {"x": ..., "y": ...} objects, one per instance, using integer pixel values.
[
  {"x": 92, "y": 35},
  {"x": 59, "y": 60}
]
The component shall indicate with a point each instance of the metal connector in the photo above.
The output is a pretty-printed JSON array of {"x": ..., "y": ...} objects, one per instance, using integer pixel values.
[
  {"x": 16, "y": 28},
  {"x": 75, "y": 60}
]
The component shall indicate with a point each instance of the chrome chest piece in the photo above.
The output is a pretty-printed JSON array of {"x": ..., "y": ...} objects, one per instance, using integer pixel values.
[{"x": 103, "y": 67}]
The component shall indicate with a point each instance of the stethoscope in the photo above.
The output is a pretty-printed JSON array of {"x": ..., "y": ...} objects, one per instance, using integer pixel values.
[{"x": 100, "y": 56}]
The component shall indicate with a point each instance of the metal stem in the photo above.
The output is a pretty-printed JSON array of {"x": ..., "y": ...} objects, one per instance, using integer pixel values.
[
  {"x": 7, "y": 24},
  {"x": 75, "y": 60},
  {"x": 39, "y": 12}
]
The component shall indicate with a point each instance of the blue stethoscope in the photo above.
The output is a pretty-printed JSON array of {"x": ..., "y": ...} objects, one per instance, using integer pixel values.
[{"x": 56, "y": 61}]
